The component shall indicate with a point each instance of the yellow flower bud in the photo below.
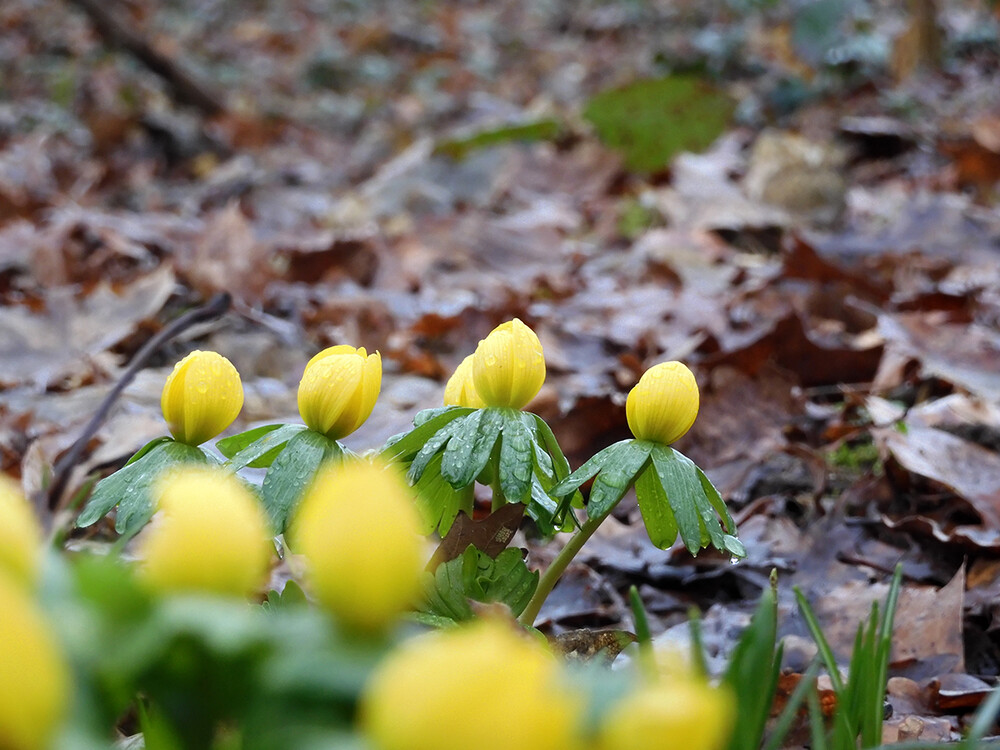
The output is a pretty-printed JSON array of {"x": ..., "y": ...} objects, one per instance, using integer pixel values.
[
  {"x": 481, "y": 686},
  {"x": 359, "y": 530},
  {"x": 20, "y": 534},
  {"x": 664, "y": 403},
  {"x": 682, "y": 713},
  {"x": 508, "y": 367},
  {"x": 338, "y": 390},
  {"x": 202, "y": 397},
  {"x": 210, "y": 535},
  {"x": 34, "y": 681},
  {"x": 461, "y": 390}
]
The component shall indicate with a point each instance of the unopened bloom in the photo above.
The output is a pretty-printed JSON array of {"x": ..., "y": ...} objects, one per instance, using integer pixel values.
[
  {"x": 461, "y": 390},
  {"x": 210, "y": 535},
  {"x": 663, "y": 404},
  {"x": 202, "y": 397},
  {"x": 20, "y": 535},
  {"x": 508, "y": 367},
  {"x": 359, "y": 531},
  {"x": 679, "y": 713},
  {"x": 34, "y": 681},
  {"x": 338, "y": 390},
  {"x": 481, "y": 686}
]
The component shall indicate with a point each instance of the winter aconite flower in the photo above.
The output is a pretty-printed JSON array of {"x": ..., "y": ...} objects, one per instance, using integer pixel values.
[
  {"x": 20, "y": 535},
  {"x": 210, "y": 535},
  {"x": 358, "y": 528},
  {"x": 461, "y": 390},
  {"x": 202, "y": 397},
  {"x": 481, "y": 686},
  {"x": 338, "y": 390},
  {"x": 508, "y": 367},
  {"x": 663, "y": 404},
  {"x": 34, "y": 681},
  {"x": 682, "y": 713}
]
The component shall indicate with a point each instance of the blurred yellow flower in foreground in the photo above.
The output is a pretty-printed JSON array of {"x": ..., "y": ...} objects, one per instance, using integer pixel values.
[
  {"x": 338, "y": 390},
  {"x": 34, "y": 681},
  {"x": 210, "y": 535},
  {"x": 461, "y": 390},
  {"x": 663, "y": 404},
  {"x": 359, "y": 530},
  {"x": 20, "y": 535},
  {"x": 681, "y": 712},
  {"x": 508, "y": 367},
  {"x": 476, "y": 687},
  {"x": 202, "y": 397}
]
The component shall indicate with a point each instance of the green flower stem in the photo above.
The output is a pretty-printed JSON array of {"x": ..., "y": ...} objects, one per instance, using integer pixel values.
[
  {"x": 499, "y": 499},
  {"x": 558, "y": 566}
]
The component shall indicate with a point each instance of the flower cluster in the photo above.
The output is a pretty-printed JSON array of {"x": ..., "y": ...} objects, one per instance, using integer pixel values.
[
  {"x": 349, "y": 529},
  {"x": 429, "y": 695}
]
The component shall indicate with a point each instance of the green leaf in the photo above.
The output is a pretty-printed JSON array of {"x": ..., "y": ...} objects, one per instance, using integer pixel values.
[
  {"x": 434, "y": 443},
  {"x": 708, "y": 520},
  {"x": 716, "y": 501},
  {"x": 439, "y": 503},
  {"x": 147, "y": 448},
  {"x": 130, "y": 488},
  {"x": 551, "y": 445},
  {"x": 683, "y": 490},
  {"x": 507, "y": 579},
  {"x": 473, "y": 575},
  {"x": 516, "y": 462},
  {"x": 655, "y": 508},
  {"x": 617, "y": 476},
  {"x": 545, "y": 129},
  {"x": 262, "y": 451},
  {"x": 650, "y": 121},
  {"x": 470, "y": 447},
  {"x": 230, "y": 446},
  {"x": 458, "y": 449},
  {"x": 291, "y": 596},
  {"x": 543, "y": 510},
  {"x": 404, "y": 447},
  {"x": 596, "y": 462},
  {"x": 444, "y": 591},
  {"x": 292, "y": 472}
]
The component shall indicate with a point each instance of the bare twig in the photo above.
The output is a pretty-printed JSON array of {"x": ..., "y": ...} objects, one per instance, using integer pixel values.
[
  {"x": 211, "y": 310},
  {"x": 186, "y": 89}
]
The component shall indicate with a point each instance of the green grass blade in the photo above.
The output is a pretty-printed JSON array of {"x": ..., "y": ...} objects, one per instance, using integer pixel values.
[
  {"x": 984, "y": 718},
  {"x": 825, "y": 652},
  {"x": 785, "y": 719}
]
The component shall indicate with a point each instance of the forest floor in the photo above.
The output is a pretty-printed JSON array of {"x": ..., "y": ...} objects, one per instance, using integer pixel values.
[{"x": 799, "y": 202}]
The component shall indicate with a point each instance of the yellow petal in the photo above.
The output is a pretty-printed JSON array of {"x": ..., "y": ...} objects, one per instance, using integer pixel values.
[
  {"x": 663, "y": 404},
  {"x": 202, "y": 397},
  {"x": 339, "y": 389},
  {"x": 676, "y": 714},
  {"x": 210, "y": 535},
  {"x": 34, "y": 690},
  {"x": 358, "y": 529},
  {"x": 20, "y": 534},
  {"x": 461, "y": 390},
  {"x": 428, "y": 694},
  {"x": 508, "y": 367}
]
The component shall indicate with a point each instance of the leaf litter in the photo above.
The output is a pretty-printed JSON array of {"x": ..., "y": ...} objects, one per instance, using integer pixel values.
[{"x": 405, "y": 179}]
